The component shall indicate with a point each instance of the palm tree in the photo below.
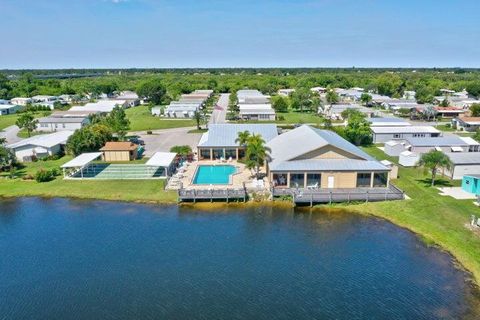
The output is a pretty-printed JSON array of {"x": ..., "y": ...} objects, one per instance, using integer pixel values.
[
  {"x": 434, "y": 160},
  {"x": 242, "y": 138},
  {"x": 198, "y": 118},
  {"x": 257, "y": 152}
]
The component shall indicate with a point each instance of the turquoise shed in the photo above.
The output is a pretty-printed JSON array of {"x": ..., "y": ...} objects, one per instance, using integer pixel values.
[{"x": 471, "y": 184}]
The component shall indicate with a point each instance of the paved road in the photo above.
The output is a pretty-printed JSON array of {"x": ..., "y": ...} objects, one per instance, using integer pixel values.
[
  {"x": 10, "y": 133},
  {"x": 163, "y": 140},
  {"x": 219, "y": 113}
]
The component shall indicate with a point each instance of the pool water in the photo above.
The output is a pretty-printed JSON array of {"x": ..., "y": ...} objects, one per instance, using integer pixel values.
[{"x": 210, "y": 174}]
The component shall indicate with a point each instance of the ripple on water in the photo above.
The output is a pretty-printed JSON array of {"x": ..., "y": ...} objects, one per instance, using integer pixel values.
[{"x": 76, "y": 259}]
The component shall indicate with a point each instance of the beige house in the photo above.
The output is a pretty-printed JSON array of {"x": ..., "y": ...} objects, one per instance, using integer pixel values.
[
  {"x": 119, "y": 151},
  {"x": 311, "y": 158}
]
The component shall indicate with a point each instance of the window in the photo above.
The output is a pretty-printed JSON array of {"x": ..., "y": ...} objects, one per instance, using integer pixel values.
[
  {"x": 380, "y": 179},
  {"x": 279, "y": 180},
  {"x": 230, "y": 153},
  {"x": 297, "y": 180},
  {"x": 218, "y": 153},
  {"x": 363, "y": 180},
  {"x": 397, "y": 135},
  {"x": 204, "y": 153},
  {"x": 314, "y": 180}
]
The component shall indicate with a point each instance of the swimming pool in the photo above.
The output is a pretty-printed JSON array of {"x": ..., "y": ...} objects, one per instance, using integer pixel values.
[{"x": 210, "y": 174}]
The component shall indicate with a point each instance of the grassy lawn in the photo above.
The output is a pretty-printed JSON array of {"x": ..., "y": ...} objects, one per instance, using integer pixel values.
[
  {"x": 439, "y": 220},
  {"x": 298, "y": 117},
  {"x": 7, "y": 120},
  {"x": 141, "y": 120},
  {"x": 124, "y": 190},
  {"x": 445, "y": 128}
]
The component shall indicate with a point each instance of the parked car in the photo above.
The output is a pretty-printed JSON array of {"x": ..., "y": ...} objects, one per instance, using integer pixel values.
[{"x": 137, "y": 141}]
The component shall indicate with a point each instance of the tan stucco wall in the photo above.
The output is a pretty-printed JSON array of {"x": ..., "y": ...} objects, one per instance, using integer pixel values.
[
  {"x": 327, "y": 152},
  {"x": 341, "y": 179},
  {"x": 112, "y": 156}
]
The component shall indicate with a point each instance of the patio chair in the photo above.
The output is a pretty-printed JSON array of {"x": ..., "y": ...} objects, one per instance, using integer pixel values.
[
  {"x": 313, "y": 186},
  {"x": 223, "y": 159},
  {"x": 230, "y": 159}
]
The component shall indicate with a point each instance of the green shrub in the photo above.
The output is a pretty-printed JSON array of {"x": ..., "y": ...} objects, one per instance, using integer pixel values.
[{"x": 43, "y": 175}]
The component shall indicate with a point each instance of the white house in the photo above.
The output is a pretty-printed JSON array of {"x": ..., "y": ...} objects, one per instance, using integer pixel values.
[
  {"x": 252, "y": 97},
  {"x": 21, "y": 101},
  {"x": 130, "y": 97},
  {"x": 257, "y": 112},
  {"x": 61, "y": 123},
  {"x": 384, "y": 134},
  {"x": 40, "y": 146},
  {"x": 43, "y": 98},
  {"x": 181, "y": 110},
  {"x": 408, "y": 159},
  {"x": 9, "y": 109},
  {"x": 446, "y": 143},
  {"x": 470, "y": 124},
  {"x": 464, "y": 163}
]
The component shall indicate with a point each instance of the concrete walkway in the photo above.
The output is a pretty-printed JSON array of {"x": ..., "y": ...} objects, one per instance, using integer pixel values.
[
  {"x": 219, "y": 113},
  {"x": 456, "y": 193}
]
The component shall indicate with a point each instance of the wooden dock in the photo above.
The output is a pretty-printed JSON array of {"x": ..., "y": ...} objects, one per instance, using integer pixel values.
[
  {"x": 210, "y": 194},
  {"x": 317, "y": 196}
]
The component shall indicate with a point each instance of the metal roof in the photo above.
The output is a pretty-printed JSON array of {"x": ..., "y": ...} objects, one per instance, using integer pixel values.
[
  {"x": 445, "y": 141},
  {"x": 44, "y": 140},
  {"x": 224, "y": 135},
  {"x": 305, "y": 139},
  {"x": 464, "y": 157},
  {"x": 406, "y": 129},
  {"x": 82, "y": 160},
  {"x": 62, "y": 120},
  {"x": 388, "y": 121},
  {"x": 329, "y": 165},
  {"x": 161, "y": 159}
]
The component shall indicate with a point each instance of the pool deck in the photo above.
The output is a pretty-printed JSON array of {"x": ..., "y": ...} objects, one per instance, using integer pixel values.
[{"x": 240, "y": 180}]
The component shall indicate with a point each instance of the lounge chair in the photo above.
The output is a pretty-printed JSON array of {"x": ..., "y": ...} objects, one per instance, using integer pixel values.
[{"x": 223, "y": 159}]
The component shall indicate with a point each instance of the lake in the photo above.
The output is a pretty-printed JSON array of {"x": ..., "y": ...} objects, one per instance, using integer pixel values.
[{"x": 72, "y": 259}]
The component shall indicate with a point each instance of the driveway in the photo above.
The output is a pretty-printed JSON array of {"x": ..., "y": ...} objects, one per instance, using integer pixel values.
[
  {"x": 163, "y": 140},
  {"x": 219, "y": 113},
  {"x": 10, "y": 133}
]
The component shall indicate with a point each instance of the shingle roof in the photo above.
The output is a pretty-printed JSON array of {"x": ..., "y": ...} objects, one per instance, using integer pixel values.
[
  {"x": 119, "y": 146},
  {"x": 224, "y": 135}
]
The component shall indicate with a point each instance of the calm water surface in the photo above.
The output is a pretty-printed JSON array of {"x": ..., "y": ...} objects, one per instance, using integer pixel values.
[{"x": 68, "y": 259}]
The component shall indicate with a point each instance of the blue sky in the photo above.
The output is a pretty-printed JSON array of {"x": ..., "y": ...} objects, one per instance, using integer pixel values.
[{"x": 234, "y": 33}]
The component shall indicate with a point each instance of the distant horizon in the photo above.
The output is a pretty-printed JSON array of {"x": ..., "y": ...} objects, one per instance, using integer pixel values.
[
  {"x": 178, "y": 34},
  {"x": 241, "y": 68}
]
